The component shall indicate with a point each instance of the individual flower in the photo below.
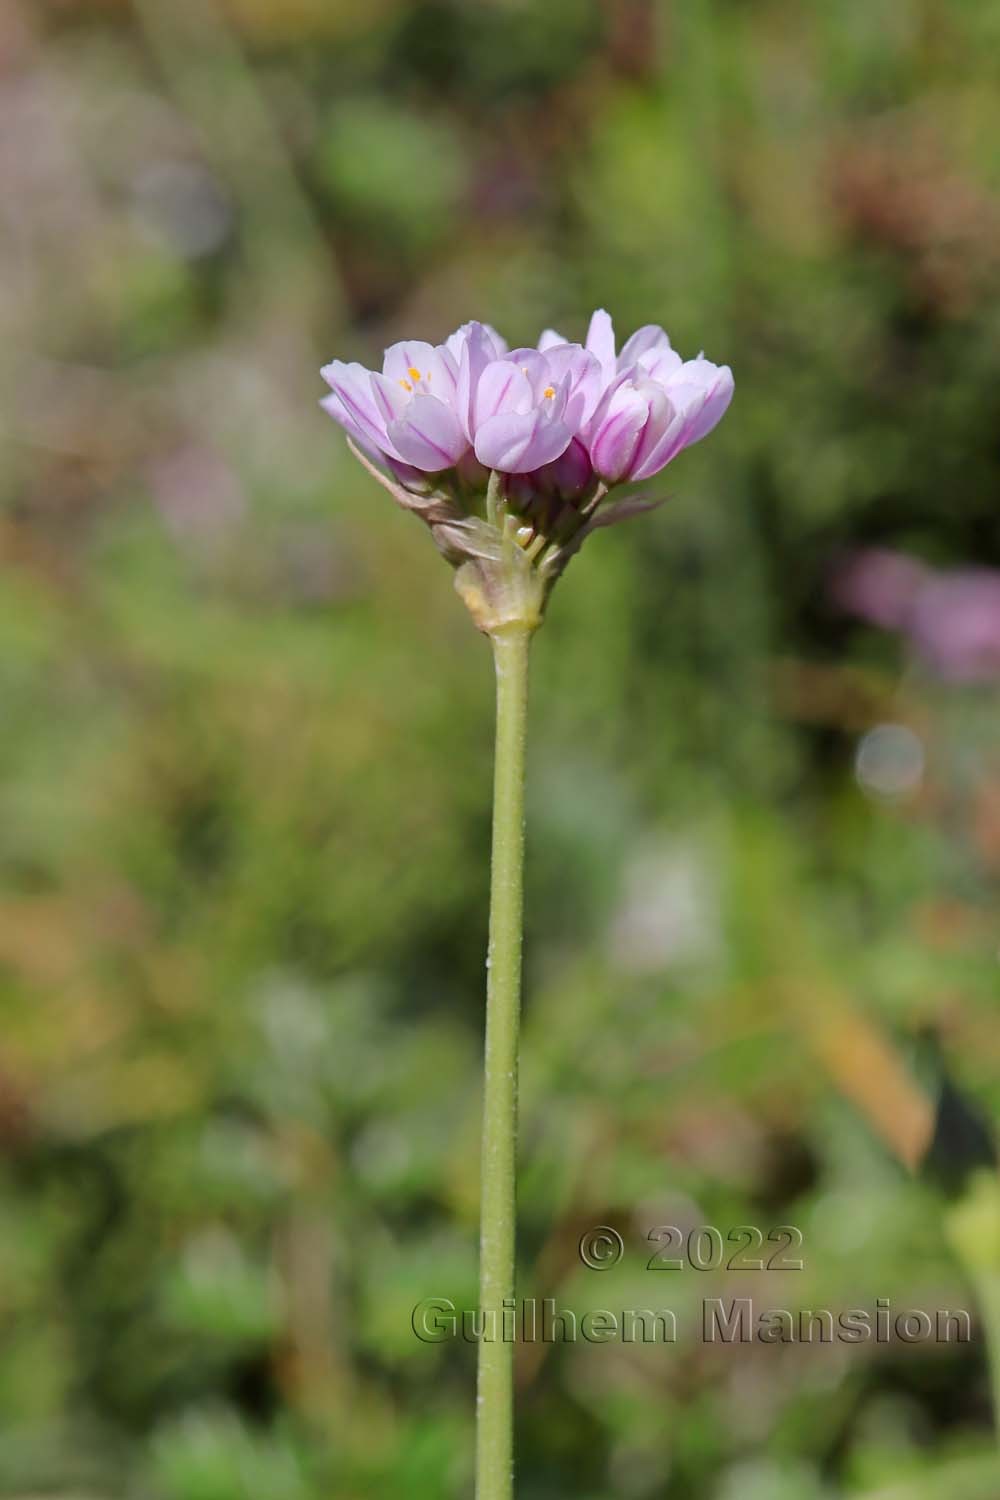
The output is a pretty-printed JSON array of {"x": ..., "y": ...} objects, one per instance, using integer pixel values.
[
  {"x": 653, "y": 404},
  {"x": 527, "y": 406},
  {"x": 413, "y": 415}
]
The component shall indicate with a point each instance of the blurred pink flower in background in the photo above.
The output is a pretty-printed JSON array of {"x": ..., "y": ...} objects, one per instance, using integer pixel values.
[
  {"x": 951, "y": 619},
  {"x": 198, "y": 495}
]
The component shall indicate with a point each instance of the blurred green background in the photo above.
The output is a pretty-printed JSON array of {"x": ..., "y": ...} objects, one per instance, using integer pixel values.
[{"x": 246, "y": 759}]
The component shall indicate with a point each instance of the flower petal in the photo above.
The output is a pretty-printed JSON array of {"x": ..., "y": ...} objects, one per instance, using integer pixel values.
[
  {"x": 663, "y": 436},
  {"x": 414, "y": 364},
  {"x": 480, "y": 346},
  {"x": 516, "y": 442},
  {"x": 428, "y": 435},
  {"x": 584, "y": 379},
  {"x": 391, "y": 403},
  {"x": 335, "y": 408},
  {"x": 601, "y": 342},
  {"x": 485, "y": 333},
  {"x": 549, "y": 441},
  {"x": 660, "y": 364},
  {"x": 718, "y": 384},
  {"x": 503, "y": 439},
  {"x": 622, "y": 418},
  {"x": 534, "y": 365},
  {"x": 650, "y": 336},
  {"x": 503, "y": 386},
  {"x": 493, "y": 340},
  {"x": 352, "y": 386}
]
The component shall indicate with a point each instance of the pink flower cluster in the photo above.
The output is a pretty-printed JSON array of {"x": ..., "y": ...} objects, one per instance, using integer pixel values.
[{"x": 562, "y": 415}]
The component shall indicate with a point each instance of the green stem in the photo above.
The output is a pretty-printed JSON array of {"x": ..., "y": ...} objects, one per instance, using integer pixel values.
[{"x": 495, "y": 1401}]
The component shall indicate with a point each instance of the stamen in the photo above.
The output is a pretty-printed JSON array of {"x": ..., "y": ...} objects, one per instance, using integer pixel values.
[
  {"x": 413, "y": 373},
  {"x": 406, "y": 385},
  {"x": 549, "y": 392}
]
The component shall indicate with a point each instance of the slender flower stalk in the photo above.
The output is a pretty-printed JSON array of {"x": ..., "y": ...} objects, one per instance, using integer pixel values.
[
  {"x": 497, "y": 1242},
  {"x": 508, "y": 456}
]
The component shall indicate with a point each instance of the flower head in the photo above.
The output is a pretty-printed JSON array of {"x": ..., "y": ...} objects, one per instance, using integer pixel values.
[{"x": 498, "y": 447}]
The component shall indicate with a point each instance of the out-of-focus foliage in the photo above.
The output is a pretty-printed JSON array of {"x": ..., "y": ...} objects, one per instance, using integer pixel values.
[{"x": 245, "y": 769}]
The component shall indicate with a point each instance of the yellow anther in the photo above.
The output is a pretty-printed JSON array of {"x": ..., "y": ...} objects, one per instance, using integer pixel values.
[
  {"x": 406, "y": 385},
  {"x": 413, "y": 374},
  {"x": 549, "y": 392}
]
